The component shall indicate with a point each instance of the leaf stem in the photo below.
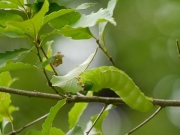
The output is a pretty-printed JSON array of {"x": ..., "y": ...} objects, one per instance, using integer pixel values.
[
  {"x": 99, "y": 115},
  {"x": 105, "y": 51},
  {"x": 47, "y": 58},
  {"x": 27, "y": 125},
  {"x": 144, "y": 122},
  {"x": 44, "y": 71}
]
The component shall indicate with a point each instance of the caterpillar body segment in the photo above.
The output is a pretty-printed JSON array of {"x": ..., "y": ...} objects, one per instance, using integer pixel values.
[{"x": 118, "y": 81}]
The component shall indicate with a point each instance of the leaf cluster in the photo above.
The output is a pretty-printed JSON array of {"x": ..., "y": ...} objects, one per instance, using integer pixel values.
[{"x": 27, "y": 20}]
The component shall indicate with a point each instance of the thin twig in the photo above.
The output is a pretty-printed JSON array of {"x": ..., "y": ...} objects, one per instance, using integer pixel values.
[
  {"x": 27, "y": 125},
  {"x": 49, "y": 63},
  {"x": 99, "y": 115},
  {"x": 44, "y": 71},
  {"x": 178, "y": 48},
  {"x": 144, "y": 122},
  {"x": 105, "y": 51}
]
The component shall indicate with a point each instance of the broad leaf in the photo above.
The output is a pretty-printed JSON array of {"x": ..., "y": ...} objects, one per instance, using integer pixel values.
[
  {"x": 46, "y": 35},
  {"x": 33, "y": 25},
  {"x": 77, "y": 130},
  {"x": 103, "y": 15},
  {"x": 56, "y": 14},
  {"x": 11, "y": 55},
  {"x": 53, "y": 7},
  {"x": 69, "y": 82},
  {"x": 76, "y": 33},
  {"x": 34, "y": 132},
  {"x": 7, "y": 5},
  {"x": 5, "y": 79},
  {"x": 65, "y": 19},
  {"x": 49, "y": 54},
  {"x": 97, "y": 129},
  {"x": 47, "y": 62},
  {"x": 12, "y": 32},
  {"x": 35, "y": 7},
  {"x": 110, "y": 8},
  {"x": 85, "y": 6},
  {"x": 5, "y": 108},
  {"x": 46, "y": 127},
  {"x": 17, "y": 66},
  {"x": 76, "y": 112},
  {"x": 17, "y": 2},
  {"x": 98, "y": 125},
  {"x": 5, "y": 17},
  {"x": 56, "y": 131}
]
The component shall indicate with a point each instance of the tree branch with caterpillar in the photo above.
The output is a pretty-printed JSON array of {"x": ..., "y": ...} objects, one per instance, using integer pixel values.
[{"x": 76, "y": 98}]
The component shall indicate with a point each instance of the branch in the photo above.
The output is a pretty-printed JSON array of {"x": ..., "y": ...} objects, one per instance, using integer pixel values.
[
  {"x": 27, "y": 125},
  {"x": 99, "y": 115},
  {"x": 75, "y": 99},
  {"x": 144, "y": 122}
]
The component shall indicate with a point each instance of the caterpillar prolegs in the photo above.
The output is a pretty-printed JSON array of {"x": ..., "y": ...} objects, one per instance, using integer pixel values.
[{"x": 115, "y": 79}]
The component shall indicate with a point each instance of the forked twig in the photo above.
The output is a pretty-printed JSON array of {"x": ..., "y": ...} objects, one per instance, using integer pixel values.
[
  {"x": 99, "y": 115},
  {"x": 144, "y": 122}
]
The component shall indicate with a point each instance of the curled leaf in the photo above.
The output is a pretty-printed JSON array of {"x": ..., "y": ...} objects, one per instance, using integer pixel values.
[{"x": 58, "y": 59}]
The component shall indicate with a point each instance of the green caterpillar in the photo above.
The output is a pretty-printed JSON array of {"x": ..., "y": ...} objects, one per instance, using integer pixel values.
[{"x": 119, "y": 82}]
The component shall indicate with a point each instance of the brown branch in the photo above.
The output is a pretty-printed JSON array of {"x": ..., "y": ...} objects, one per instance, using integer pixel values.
[{"x": 75, "y": 99}]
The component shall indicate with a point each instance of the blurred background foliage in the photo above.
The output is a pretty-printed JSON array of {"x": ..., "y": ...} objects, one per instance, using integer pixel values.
[{"x": 142, "y": 44}]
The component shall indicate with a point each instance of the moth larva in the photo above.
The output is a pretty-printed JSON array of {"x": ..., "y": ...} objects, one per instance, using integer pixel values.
[{"x": 115, "y": 79}]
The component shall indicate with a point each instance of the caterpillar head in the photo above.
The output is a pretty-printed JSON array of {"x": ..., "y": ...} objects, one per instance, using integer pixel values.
[
  {"x": 88, "y": 81},
  {"x": 87, "y": 85}
]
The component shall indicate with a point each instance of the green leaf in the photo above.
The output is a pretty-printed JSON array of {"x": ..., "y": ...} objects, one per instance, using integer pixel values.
[
  {"x": 47, "y": 61},
  {"x": 55, "y": 131},
  {"x": 46, "y": 35},
  {"x": 56, "y": 14},
  {"x": 65, "y": 19},
  {"x": 35, "y": 7},
  {"x": 34, "y": 132},
  {"x": 5, "y": 17},
  {"x": 54, "y": 7},
  {"x": 17, "y": 2},
  {"x": 5, "y": 108},
  {"x": 110, "y": 8},
  {"x": 76, "y": 112},
  {"x": 46, "y": 127},
  {"x": 49, "y": 54},
  {"x": 5, "y": 79},
  {"x": 7, "y": 5},
  {"x": 76, "y": 33},
  {"x": 3, "y": 124},
  {"x": 103, "y": 15},
  {"x": 12, "y": 32},
  {"x": 77, "y": 130},
  {"x": 69, "y": 82},
  {"x": 98, "y": 125},
  {"x": 17, "y": 66},
  {"x": 33, "y": 25},
  {"x": 85, "y": 6},
  {"x": 11, "y": 55}
]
